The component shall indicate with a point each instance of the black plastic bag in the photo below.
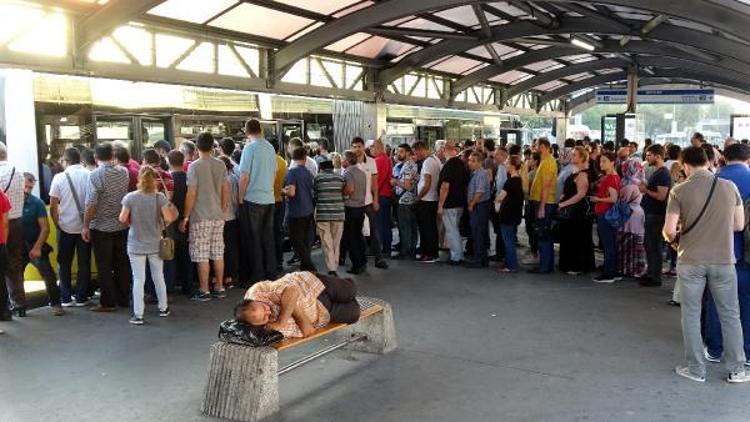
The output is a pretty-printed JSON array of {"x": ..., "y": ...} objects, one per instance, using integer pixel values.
[{"x": 235, "y": 332}]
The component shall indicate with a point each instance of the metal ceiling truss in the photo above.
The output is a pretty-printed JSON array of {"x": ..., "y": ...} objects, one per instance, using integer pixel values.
[
  {"x": 669, "y": 33},
  {"x": 716, "y": 15},
  {"x": 102, "y": 21}
]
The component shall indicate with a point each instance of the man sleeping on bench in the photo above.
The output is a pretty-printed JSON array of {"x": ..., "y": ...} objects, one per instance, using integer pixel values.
[{"x": 299, "y": 303}]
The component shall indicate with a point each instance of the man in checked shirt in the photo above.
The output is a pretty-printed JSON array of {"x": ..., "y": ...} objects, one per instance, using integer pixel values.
[{"x": 299, "y": 303}]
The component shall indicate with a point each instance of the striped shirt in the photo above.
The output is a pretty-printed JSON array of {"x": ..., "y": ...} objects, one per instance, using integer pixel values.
[
  {"x": 329, "y": 197},
  {"x": 108, "y": 184}
]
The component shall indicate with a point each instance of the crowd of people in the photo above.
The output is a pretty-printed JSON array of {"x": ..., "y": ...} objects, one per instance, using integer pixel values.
[{"x": 213, "y": 213}]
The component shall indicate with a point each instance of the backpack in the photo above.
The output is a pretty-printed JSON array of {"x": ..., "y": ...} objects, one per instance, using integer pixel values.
[{"x": 618, "y": 214}]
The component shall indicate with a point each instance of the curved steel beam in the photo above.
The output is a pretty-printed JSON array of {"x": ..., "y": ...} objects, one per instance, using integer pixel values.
[
  {"x": 352, "y": 23},
  {"x": 715, "y": 15},
  {"x": 556, "y": 74},
  {"x": 633, "y": 47},
  {"x": 661, "y": 73},
  {"x": 669, "y": 33},
  {"x": 655, "y": 61}
]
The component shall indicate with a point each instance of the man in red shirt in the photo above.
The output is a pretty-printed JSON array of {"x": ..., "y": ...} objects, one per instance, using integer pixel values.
[
  {"x": 122, "y": 155},
  {"x": 5, "y": 314},
  {"x": 385, "y": 170}
]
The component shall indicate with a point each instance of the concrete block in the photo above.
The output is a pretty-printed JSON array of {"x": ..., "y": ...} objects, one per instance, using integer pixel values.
[
  {"x": 380, "y": 330},
  {"x": 243, "y": 384}
]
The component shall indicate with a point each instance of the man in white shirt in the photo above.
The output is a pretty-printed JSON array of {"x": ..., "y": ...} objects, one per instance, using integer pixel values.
[
  {"x": 67, "y": 202},
  {"x": 310, "y": 163},
  {"x": 11, "y": 182},
  {"x": 427, "y": 202},
  {"x": 372, "y": 199}
]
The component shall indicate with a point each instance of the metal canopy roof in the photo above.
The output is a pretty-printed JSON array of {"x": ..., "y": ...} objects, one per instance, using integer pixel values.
[{"x": 521, "y": 45}]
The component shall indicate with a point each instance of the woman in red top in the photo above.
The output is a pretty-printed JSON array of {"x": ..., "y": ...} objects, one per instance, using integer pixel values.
[
  {"x": 606, "y": 195},
  {"x": 5, "y": 314}
]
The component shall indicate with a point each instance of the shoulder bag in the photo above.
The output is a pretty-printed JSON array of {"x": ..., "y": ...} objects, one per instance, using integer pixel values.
[
  {"x": 75, "y": 196},
  {"x": 675, "y": 243},
  {"x": 166, "y": 243}
]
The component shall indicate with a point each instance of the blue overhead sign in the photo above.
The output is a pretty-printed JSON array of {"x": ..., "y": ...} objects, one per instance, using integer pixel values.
[{"x": 657, "y": 96}]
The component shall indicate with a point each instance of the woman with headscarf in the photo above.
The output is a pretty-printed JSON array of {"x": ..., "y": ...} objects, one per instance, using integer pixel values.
[{"x": 631, "y": 247}]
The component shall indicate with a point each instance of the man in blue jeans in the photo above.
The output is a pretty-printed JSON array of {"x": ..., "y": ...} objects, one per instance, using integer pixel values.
[
  {"x": 256, "y": 197},
  {"x": 67, "y": 201},
  {"x": 736, "y": 170},
  {"x": 711, "y": 211},
  {"x": 544, "y": 205}
]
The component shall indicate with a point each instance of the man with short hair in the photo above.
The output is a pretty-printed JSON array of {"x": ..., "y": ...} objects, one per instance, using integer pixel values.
[
  {"x": 478, "y": 198},
  {"x": 67, "y": 200},
  {"x": 256, "y": 198},
  {"x": 372, "y": 199},
  {"x": 310, "y": 164},
  {"x": 697, "y": 140},
  {"x": 206, "y": 199},
  {"x": 354, "y": 211},
  {"x": 501, "y": 176},
  {"x": 427, "y": 202},
  {"x": 11, "y": 182},
  {"x": 108, "y": 184},
  {"x": 298, "y": 187},
  {"x": 329, "y": 213},
  {"x": 454, "y": 178},
  {"x": 36, "y": 250},
  {"x": 183, "y": 265},
  {"x": 710, "y": 210},
  {"x": 543, "y": 204},
  {"x": 122, "y": 155},
  {"x": 654, "y": 203},
  {"x": 406, "y": 190},
  {"x": 736, "y": 170}
]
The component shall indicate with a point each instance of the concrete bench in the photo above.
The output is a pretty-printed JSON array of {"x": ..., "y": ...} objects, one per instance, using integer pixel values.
[{"x": 243, "y": 382}]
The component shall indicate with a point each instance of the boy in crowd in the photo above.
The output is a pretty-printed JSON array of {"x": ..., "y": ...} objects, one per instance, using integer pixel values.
[
  {"x": 184, "y": 266},
  {"x": 299, "y": 189}
]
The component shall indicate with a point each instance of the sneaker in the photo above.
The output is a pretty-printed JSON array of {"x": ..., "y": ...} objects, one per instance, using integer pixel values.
[
  {"x": 136, "y": 321},
  {"x": 428, "y": 259},
  {"x": 747, "y": 363},
  {"x": 200, "y": 296},
  {"x": 738, "y": 377},
  {"x": 68, "y": 304},
  {"x": 604, "y": 279},
  {"x": 574, "y": 273},
  {"x": 618, "y": 277},
  {"x": 78, "y": 304},
  {"x": 670, "y": 273},
  {"x": 709, "y": 357},
  {"x": 219, "y": 294},
  {"x": 165, "y": 313},
  {"x": 294, "y": 261},
  {"x": 684, "y": 371},
  {"x": 381, "y": 264},
  {"x": 672, "y": 302},
  {"x": 333, "y": 274},
  {"x": 57, "y": 310}
]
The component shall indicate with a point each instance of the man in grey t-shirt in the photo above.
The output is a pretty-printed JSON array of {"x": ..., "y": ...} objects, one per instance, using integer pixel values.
[
  {"x": 207, "y": 198},
  {"x": 706, "y": 259},
  {"x": 356, "y": 186}
]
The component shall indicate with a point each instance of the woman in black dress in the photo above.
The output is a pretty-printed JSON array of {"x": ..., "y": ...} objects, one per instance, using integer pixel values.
[{"x": 576, "y": 245}]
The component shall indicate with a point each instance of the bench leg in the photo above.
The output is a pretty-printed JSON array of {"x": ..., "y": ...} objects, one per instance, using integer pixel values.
[
  {"x": 242, "y": 383},
  {"x": 379, "y": 329}
]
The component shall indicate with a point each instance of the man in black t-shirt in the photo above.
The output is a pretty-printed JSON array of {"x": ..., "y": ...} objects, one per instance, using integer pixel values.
[
  {"x": 183, "y": 266},
  {"x": 654, "y": 203},
  {"x": 454, "y": 177}
]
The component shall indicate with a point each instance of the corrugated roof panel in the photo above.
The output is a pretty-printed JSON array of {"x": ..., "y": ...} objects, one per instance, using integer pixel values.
[{"x": 257, "y": 20}]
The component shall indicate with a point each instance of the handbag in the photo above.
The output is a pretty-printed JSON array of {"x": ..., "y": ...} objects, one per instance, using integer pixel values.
[
  {"x": 236, "y": 332},
  {"x": 166, "y": 243},
  {"x": 675, "y": 243}
]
